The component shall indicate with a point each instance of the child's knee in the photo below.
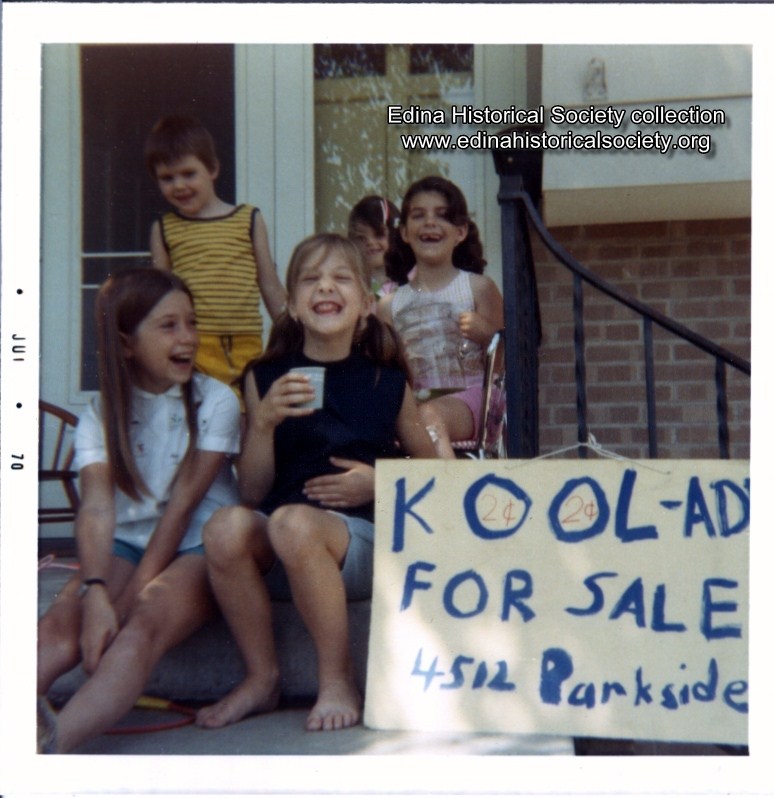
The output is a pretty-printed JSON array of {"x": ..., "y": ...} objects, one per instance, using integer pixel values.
[
  {"x": 228, "y": 534},
  {"x": 433, "y": 422},
  {"x": 430, "y": 415},
  {"x": 291, "y": 530}
]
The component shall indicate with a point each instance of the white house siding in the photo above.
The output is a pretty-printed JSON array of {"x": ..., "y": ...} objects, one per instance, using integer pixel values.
[{"x": 588, "y": 188}]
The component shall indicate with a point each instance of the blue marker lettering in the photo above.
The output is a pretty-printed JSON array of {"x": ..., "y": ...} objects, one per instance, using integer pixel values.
[
  {"x": 583, "y": 695},
  {"x": 659, "y": 623},
  {"x": 668, "y": 700},
  {"x": 734, "y": 689},
  {"x": 412, "y": 583},
  {"x": 404, "y": 507},
  {"x": 471, "y": 514},
  {"x": 726, "y": 529},
  {"x": 513, "y": 597},
  {"x": 622, "y": 529},
  {"x": 706, "y": 691},
  {"x": 632, "y": 600},
  {"x": 708, "y": 607},
  {"x": 598, "y": 600},
  {"x": 454, "y": 583},
  {"x": 643, "y": 690},
  {"x": 567, "y": 490},
  {"x": 697, "y": 510},
  {"x": 555, "y": 668},
  {"x": 608, "y": 688}
]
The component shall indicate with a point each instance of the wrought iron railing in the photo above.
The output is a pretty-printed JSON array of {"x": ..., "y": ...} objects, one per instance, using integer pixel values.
[{"x": 522, "y": 325}]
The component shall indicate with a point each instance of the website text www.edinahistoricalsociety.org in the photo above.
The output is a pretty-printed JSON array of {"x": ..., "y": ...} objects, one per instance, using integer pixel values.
[{"x": 594, "y": 128}]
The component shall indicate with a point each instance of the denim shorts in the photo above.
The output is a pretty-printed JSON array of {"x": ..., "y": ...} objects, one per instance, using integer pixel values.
[
  {"x": 128, "y": 551},
  {"x": 357, "y": 570}
]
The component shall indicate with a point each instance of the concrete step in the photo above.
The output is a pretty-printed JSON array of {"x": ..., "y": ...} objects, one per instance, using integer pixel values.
[
  {"x": 283, "y": 733},
  {"x": 208, "y": 665}
]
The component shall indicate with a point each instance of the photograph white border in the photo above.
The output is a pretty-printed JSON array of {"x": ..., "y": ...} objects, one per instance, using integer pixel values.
[{"x": 26, "y": 26}]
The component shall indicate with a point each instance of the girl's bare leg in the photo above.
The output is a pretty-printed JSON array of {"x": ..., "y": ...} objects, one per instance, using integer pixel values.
[
  {"x": 59, "y": 629},
  {"x": 452, "y": 421},
  {"x": 169, "y": 609},
  {"x": 312, "y": 544},
  {"x": 238, "y": 551}
]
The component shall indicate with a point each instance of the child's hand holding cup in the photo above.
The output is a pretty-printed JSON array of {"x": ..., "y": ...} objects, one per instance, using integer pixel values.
[{"x": 316, "y": 375}]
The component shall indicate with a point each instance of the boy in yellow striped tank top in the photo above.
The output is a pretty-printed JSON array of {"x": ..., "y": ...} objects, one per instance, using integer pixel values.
[{"x": 221, "y": 251}]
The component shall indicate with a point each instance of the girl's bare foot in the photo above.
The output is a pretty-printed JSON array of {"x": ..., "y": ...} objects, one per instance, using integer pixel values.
[
  {"x": 251, "y": 697},
  {"x": 338, "y": 707}
]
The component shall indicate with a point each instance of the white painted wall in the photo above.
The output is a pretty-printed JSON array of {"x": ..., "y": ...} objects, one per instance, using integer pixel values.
[
  {"x": 60, "y": 228},
  {"x": 586, "y": 188},
  {"x": 274, "y": 98},
  {"x": 640, "y": 72}
]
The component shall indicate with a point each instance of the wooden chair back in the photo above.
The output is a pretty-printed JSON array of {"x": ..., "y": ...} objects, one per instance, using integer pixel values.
[{"x": 56, "y": 459}]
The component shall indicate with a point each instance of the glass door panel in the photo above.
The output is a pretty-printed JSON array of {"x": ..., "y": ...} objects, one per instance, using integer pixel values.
[
  {"x": 356, "y": 151},
  {"x": 124, "y": 90}
]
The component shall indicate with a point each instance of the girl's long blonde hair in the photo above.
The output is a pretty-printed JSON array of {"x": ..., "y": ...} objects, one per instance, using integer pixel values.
[
  {"x": 123, "y": 301},
  {"x": 377, "y": 341}
]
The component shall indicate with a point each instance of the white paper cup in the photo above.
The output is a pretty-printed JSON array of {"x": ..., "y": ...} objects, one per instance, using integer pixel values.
[{"x": 316, "y": 376}]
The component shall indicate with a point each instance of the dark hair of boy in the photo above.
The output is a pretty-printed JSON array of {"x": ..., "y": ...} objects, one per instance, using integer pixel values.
[{"x": 174, "y": 137}]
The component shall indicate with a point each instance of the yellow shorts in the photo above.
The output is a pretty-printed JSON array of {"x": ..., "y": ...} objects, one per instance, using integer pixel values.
[{"x": 224, "y": 357}]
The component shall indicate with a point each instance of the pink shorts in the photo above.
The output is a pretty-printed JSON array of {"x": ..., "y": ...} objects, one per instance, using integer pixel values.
[{"x": 473, "y": 398}]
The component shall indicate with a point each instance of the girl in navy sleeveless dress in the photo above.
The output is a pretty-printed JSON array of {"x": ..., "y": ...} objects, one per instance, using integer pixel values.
[{"x": 310, "y": 474}]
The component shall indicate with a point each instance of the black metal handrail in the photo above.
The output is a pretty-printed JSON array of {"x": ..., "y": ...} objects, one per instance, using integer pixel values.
[
  {"x": 643, "y": 310},
  {"x": 522, "y": 205}
]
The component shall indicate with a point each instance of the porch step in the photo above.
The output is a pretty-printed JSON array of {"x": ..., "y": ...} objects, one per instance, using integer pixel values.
[{"x": 208, "y": 665}]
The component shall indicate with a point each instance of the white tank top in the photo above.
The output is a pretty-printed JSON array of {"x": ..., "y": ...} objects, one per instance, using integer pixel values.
[{"x": 427, "y": 322}]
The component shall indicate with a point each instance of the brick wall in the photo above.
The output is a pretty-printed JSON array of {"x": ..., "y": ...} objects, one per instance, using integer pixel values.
[{"x": 697, "y": 272}]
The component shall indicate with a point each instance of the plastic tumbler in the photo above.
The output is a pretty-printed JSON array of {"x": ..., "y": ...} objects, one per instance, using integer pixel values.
[{"x": 316, "y": 376}]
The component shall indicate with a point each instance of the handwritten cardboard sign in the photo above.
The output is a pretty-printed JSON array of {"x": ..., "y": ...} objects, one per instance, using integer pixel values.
[{"x": 582, "y": 597}]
